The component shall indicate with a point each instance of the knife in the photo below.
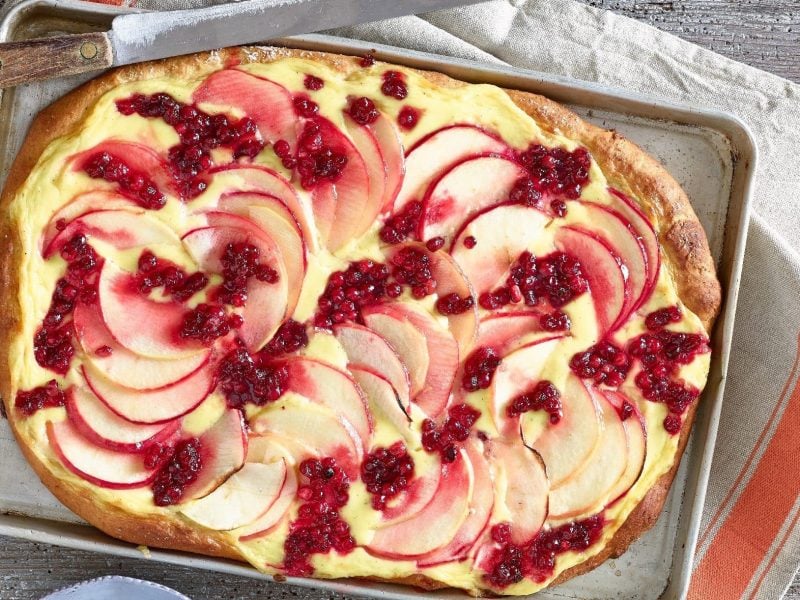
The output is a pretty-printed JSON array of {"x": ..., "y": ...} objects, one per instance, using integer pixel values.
[{"x": 137, "y": 37}]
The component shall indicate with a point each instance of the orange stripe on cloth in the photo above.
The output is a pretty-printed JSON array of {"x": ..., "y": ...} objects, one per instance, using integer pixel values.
[
  {"x": 775, "y": 553},
  {"x": 745, "y": 537}
]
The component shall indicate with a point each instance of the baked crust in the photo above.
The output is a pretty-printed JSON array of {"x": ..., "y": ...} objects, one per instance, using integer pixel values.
[{"x": 686, "y": 255}]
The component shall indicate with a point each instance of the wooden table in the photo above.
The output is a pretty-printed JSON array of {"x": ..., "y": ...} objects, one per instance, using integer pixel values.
[{"x": 764, "y": 33}]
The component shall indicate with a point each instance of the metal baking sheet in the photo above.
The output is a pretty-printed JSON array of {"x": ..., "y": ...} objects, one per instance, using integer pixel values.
[{"x": 711, "y": 154}]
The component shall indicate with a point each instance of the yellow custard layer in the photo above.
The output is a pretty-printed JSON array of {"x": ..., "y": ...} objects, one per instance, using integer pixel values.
[{"x": 52, "y": 185}]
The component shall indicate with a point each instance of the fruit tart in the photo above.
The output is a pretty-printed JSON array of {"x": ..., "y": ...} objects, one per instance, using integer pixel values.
[{"x": 341, "y": 318}]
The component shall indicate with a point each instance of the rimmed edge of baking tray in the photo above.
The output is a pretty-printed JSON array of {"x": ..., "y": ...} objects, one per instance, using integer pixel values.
[{"x": 744, "y": 156}]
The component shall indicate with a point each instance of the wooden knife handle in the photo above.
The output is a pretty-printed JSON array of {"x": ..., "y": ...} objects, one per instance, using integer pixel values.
[{"x": 47, "y": 58}]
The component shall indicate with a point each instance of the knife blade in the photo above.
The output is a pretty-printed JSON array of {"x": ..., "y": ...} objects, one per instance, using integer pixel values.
[{"x": 137, "y": 37}]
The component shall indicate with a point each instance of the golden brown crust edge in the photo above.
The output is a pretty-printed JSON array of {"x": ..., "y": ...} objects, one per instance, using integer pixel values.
[{"x": 627, "y": 167}]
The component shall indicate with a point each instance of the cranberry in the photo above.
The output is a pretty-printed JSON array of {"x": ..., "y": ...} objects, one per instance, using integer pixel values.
[
  {"x": 625, "y": 410},
  {"x": 672, "y": 424},
  {"x": 44, "y": 396},
  {"x": 479, "y": 369},
  {"x": 305, "y": 107},
  {"x": 604, "y": 363},
  {"x": 470, "y": 242},
  {"x": 394, "y": 85},
  {"x": 313, "y": 83},
  {"x": 402, "y": 225},
  {"x": 132, "y": 183},
  {"x": 206, "y": 323},
  {"x": 662, "y": 317},
  {"x": 557, "y": 171},
  {"x": 363, "y": 111},
  {"x": 408, "y": 118},
  {"x": 434, "y": 244},
  {"x": 453, "y": 304},
  {"x": 316, "y": 159},
  {"x": 244, "y": 379},
  {"x": 180, "y": 470},
  {"x": 525, "y": 192},
  {"x": 104, "y": 351},
  {"x": 386, "y": 472},
  {"x": 559, "y": 208},
  {"x": 367, "y": 60},
  {"x": 290, "y": 337},
  {"x": 455, "y": 429},
  {"x": 412, "y": 267},
  {"x": 363, "y": 283},
  {"x": 555, "y": 321},
  {"x": 318, "y": 528},
  {"x": 544, "y": 396}
]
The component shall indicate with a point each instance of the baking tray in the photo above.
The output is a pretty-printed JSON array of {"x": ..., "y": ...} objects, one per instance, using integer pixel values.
[{"x": 712, "y": 155}]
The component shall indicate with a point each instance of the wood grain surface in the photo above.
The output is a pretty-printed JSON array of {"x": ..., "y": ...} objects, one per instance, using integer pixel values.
[{"x": 762, "y": 33}]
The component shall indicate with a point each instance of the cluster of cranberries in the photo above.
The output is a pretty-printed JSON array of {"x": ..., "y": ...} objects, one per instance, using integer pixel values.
[
  {"x": 154, "y": 272},
  {"x": 544, "y": 396},
  {"x": 386, "y": 472},
  {"x": 557, "y": 278},
  {"x": 179, "y": 470},
  {"x": 555, "y": 321},
  {"x": 246, "y": 379},
  {"x": 207, "y": 322},
  {"x": 44, "y": 396},
  {"x": 290, "y": 337},
  {"x": 132, "y": 183},
  {"x": 199, "y": 134},
  {"x": 604, "y": 363},
  {"x": 555, "y": 171},
  {"x": 240, "y": 262},
  {"x": 363, "y": 111},
  {"x": 317, "y": 160},
  {"x": 453, "y": 304},
  {"x": 402, "y": 225},
  {"x": 479, "y": 368},
  {"x": 394, "y": 85},
  {"x": 52, "y": 344},
  {"x": 363, "y": 283},
  {"x": 510, "y": 563},
  {"x": 318, "y": 528},
  {"x": 455, "y": 429},
  {"x": 412, "y": 267}
]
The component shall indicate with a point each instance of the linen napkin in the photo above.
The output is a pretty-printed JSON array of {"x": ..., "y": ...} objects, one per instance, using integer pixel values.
[{"x": 750, "y": 539}]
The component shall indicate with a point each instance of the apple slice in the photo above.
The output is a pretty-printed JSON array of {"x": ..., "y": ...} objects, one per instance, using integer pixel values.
[
  {"x": 569, "y": 445},
  {"x": 636, "y": 432},
  {"x": 99, "y": 466},
  {"x": 588, "y": 489},
  {"x": 122, "y": 366},
  {"x": 644, "y": 228},
  {"x": 269, "y": 104},
  {"x": 437, "y": 523},
  {"x": 367, "y": 145},
  {"x": 80, "y": 205},
  {"x": 414, "y": 499},
  {"x": 602, "y": 268},
  {"x": 123, "y": 229},
  {"x": 408, "y": 341},
  {"x": 517, "y": 373},
  {"x": 465, "y": 189},
  {"x": 223, "y": 449},
  {"x": 244, "y": 497},
  {"x": 508, "y": 331},
  {"x": 365, "y": 348},
  {"x": 502, "y": 233},
  {"x": 137, "y": 156},
  {"x": 280, "y": 507},
  {"x": 525, "y": 487},
  {"x": 152, "y": 406},
  {"x": 391, "y": 147},
  {"x": 328, "y": 386},
  {"x": 480, "y": 511},
  {"x": 436, "y": 152},
  {"x": 124, "y": 309},
  {"x": 442, "y": 353},
  {"x": 101, "y": 426},
  {"x": 383, "y": 399}
]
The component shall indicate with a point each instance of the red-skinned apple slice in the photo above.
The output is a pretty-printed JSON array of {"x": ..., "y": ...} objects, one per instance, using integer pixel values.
[
  {"x": 367, "y": 145},
  {"x": 480, "y": 511},
  {"x": 101, "y": 426},
  {"x": 122, "y": 229},
  {"x": 408, "y": 341},
  {"x": 365, "y": 348},
  {"x": 100, "y": 466},
  {"x": 601, "y": 267},
  {"x": 442, "y": 352},
  {"x": 269, "y": 104},
  {"x": 636, "y": 432},
  {"x": 124, "y": 309},
  {"x": 152, "y": 406},
  {"x": 223, "y": 449},
  {"x": 642, "y": 226},
  {"x": 525, "y": 485},
  {"x": 82, "y": 204},
  {"x": 437, "y": 523},
  {"x": 328, "y": 386},
  {"x": 244, "y": 497},
  {"x": 391, "y": 148},
  {"x": 383, "y": 399},
  {"x": 502, "y": 233},
  {"x": 436, "y": 152},
  {"x": 416, "y": 497},
  {"x": 122, "y": 366},
  {"x": 508, "y": 331},
  {"x": 266, "y": 522},
  {"x": 589, "y": 488},
  {"x": 517, "y": 373},
  {"x": 467, "y": 188},
  {"x": 568, "y": 445}
]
